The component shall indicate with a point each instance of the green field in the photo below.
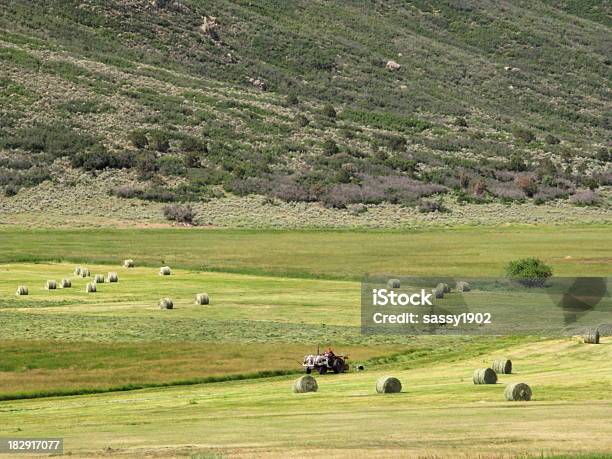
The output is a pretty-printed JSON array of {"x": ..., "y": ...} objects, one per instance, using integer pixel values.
[
  {"x": 209, "y": 381},
  {"x": 572, "y": 250},
  {"x": 440, "y": 413}
]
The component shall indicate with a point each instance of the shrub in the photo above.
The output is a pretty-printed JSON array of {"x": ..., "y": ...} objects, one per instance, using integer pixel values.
[
  {"x": 180, "y": 214},
  {"x": 193, "y": 144},
  {"x": 126, "y": 191},
  {"x": 159, "y": 141},
  {"x": 330, "y": 147},
  {"x": 432, "y": 206},
  {"x": 585, "y": 198},
  {"x": 530, "y": 272},
  {"x": 329, "y": 111},
  {"x": 523, "y": 135},
  {"x": 58, "y": 140},
  {"x": 171, "y": 165},
  {"x": 551, "y": 139},
  {"x": 548, "y": 193},
  {"x": 138, "y": 139},
  {"x": 393, "y": 142},
  {"x": 527, "y": 184},
  {"x": 517, "y": 163},
  {"x": 302, "y": 121},
  {"x": 292, "y": 99},
  {"x": 98, "y": 158},
  {"x": 146, "y": 164},
  {"x": 11, "y": 190},
  {"x": 460, "y": 122},
  {"x": 507, "y": 192}
]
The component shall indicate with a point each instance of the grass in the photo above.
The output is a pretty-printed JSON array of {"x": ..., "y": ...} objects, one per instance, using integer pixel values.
[
  {"x": 440, "y": 412},
  {"x": 149, "y": 382},
  {"x": 572, "y": 250},
  {"x": 32, "y": 369}
]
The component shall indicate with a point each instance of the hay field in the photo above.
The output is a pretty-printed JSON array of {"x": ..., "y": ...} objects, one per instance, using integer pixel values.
[
  {"x": 440, "y": 413},
  {"x": 572, "y": 250},
  {"x": 274, "y": 296}
]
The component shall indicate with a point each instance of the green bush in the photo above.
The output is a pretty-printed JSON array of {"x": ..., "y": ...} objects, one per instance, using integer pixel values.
[
  {"x": 329, "y": 111},
  {"x": 159, "y": 141},
  {"x": 530, "y": 272},
  {"x": 523, "y": 135},
  {"x": 138, "y": 139},
  {"x": 330, "y": 147}
]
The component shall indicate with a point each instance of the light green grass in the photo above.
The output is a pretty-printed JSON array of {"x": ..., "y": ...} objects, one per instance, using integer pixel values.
[
  {"x": 583, "y": 250},
  {"x": 439, "y": 412}
]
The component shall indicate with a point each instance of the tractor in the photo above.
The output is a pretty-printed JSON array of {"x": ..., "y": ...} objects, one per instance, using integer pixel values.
[{"x": 328, "y": 361}]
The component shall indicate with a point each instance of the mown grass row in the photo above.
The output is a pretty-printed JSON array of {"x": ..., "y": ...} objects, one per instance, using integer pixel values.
[{"x": 136, "y": 386}]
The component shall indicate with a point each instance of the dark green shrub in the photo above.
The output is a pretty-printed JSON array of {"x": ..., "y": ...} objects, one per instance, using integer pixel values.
[
  {"x": 193, "y": 144},
  {"x": 551, "y": 139},
  {"x": 302, "y": 121},
  {"x": 329, "y": 111},
  {"x": 159, "y": 141},
  {"x": 330, "y": 147},
  {"x": 530, "y": 272},
  {"x": 11, "y": 190},
  {"x": 517, "y": 163},
  {"x": 523, "y": 135},
  {"x": 146, "y": 164},
  {"x": 171, "y": 165},
  {"x": 292, "y": 99},
  {"x": 98, "y": 158},
  {"x": 432, "y": 206},
  {"x": 138, "y": 139},
  {"x": 393, "y": 142},
  {"x": 460, "y": 121}
]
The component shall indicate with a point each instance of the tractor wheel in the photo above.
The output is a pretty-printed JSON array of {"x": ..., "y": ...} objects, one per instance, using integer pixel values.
[
  {"x": 338, "y": 365},
  {"x": 308, "y": 370},
  {"x": 322, "y": 370}
]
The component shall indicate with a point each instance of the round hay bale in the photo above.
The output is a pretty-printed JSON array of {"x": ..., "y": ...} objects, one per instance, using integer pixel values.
[
  {"x": 485, "y": 376},
  {"x": 439, "y": 291},
  {"x": 446, "y": 287},
  {"x": 166, "y": 303},
  {"x": 90, "y": 288},
  {"x": 202, "y": 299},
  {"x": 518, "y": 392},
  {"x": 99, "y": 278},
  {"x": 393, "y": 283},
  {"x": 305, "y": 384},
  {"x": 66, "y": 283},
  {"x": 128, "y": 263},
  {"x": 388, "y": 385},
  {"x": 51, "y": 285},
  {"x": 77, "y": 271},
  {"x": 592, "y": 337},
  {"x": 22, "y": 290},
  {"x": 165, "y": 271},
  {"x": 113, "y": 277},
  {"x": 360, "y": 368},
  {"x": 463, "y": 286},
  {"x": 502, "y": 366},
  {"x": 84, "y": 272}
]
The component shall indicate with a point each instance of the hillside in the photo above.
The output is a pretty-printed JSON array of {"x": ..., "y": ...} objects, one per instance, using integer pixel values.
[{"x": 208, "y": 103}]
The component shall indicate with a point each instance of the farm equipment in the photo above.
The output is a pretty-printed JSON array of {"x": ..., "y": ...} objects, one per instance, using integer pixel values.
[{"x": 328, "y": 361}]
